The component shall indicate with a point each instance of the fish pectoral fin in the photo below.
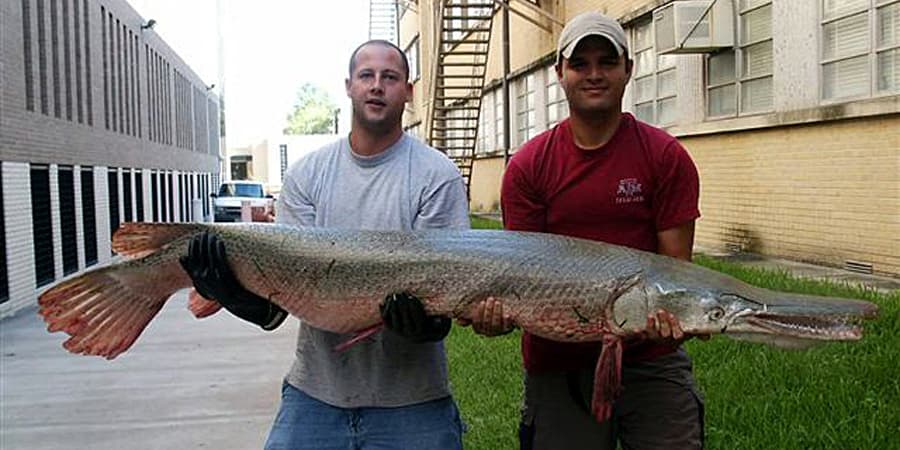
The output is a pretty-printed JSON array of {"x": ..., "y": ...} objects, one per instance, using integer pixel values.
[
  {"x": 201, "y": 307},
  {"x": 358, "y": 337},
  {"x": 607, "y": 378}
]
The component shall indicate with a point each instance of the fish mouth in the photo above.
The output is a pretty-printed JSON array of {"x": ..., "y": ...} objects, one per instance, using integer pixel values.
[{"x": 834, "y": 328}]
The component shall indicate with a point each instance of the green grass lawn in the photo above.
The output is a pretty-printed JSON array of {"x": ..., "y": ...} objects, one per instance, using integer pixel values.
[{"x": 835, "y": 396}]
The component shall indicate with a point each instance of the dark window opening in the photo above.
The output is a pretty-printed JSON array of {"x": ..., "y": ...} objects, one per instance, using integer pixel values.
[
  {"x": 67, "y": 219},
  {"x": 42, "y": 228},
  {"x": 88, "y": 216},
  {"x": 112, "y": 182}
]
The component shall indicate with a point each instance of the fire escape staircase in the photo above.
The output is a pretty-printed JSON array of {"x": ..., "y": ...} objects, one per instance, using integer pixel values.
[{"x": 462, "y": 47}]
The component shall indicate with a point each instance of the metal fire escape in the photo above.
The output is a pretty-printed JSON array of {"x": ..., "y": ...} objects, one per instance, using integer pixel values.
[
  {"x": 383, "y": 20},
  {"x": 463, "y": 40}
]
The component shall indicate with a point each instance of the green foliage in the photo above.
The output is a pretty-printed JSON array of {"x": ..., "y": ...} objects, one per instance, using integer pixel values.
[
  {"x": 835, "y": 396},
  {"x": 486, "y": 224},
  {"x": 313, "y": 113}
]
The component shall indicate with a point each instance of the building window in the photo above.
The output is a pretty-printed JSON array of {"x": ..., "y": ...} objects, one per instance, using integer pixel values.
[
  {"x": 499, "y": 129},
  {"x": 525, "y": 117},
  {"x": 655, "y": 91},
  {"x": 484, "y": 133},
  {"x": 412, "y": 54},
  {"x": 739, "y": 81},
  {"x": 849, "y": 54},
  {"x": 557, "y": 107}
]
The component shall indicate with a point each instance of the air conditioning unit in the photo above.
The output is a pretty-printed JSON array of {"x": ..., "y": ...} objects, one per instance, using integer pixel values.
[{"x": 694, "y": 26}]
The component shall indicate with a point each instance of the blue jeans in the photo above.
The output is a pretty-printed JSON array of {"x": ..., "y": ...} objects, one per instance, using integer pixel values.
[{"x": 306, "y": 423}]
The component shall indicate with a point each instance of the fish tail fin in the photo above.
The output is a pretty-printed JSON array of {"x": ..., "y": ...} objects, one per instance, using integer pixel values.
[
  {"x": 106, "y": 309},
  {"x": 201, "y": 307},
  {"x": 607, "y": 378},
  {"x": 138, "y": 239}
]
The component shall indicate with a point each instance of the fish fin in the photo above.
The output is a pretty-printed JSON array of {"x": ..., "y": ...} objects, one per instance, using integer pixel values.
[
  {"x": 201, "y": 307},
  {"x": 106, "y": 309},
  {"x": 607, "y": 378},
  {"x": 358, "y": 337},
  {"x": 139, "y": 239}
]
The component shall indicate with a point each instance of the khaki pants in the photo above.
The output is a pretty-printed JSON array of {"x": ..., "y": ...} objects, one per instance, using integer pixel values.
[{"x": 658, "y": 409}]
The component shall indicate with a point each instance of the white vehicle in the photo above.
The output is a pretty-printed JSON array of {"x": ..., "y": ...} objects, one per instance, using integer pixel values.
[{"x": 227, "y": 202}]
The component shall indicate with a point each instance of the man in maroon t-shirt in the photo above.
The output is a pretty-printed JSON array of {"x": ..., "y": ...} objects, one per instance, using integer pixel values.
[{"x": 604, "y": 175}]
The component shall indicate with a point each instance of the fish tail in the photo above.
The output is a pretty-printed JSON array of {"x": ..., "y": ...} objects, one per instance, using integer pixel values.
[
  {"x": 138, "y": 239},
  {"x": 201, "y": 307},
  {"x": 106, "y": 309}
]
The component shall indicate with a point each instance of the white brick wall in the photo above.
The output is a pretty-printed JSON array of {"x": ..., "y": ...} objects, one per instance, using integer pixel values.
[
  {"x": 79, "y": 216},
  {"x": 19, "y": 238},
  {"x": 54, "y": 220},
  {"x": 101, "y": 194}
]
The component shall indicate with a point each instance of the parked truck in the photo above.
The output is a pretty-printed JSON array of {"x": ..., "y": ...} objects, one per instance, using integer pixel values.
[{"x": 232, "y": 195}]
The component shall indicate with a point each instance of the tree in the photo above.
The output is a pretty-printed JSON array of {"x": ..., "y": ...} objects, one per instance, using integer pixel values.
[{"x": 314, "y": 112}]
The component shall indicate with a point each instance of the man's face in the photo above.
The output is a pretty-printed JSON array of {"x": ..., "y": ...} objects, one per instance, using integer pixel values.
[
  {"x": 594, "y": 78},
  {"x": 378, "y": 88}
]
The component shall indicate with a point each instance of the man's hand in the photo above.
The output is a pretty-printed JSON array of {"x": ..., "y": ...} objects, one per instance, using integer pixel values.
[
  {"x": 404, "y": 315},
  {"x": 488, "y": 318},
  {"x": 664, "y": 327},
  {"x": 208, "y": 268}
]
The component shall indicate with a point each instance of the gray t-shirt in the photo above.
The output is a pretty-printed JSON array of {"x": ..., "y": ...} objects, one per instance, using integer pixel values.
[{"x": 409, "y": 186}]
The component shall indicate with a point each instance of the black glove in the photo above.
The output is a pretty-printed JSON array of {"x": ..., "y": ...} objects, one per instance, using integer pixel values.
[
  {"x": 208, "y": 268},
  {"x": 404, "y": 314}
]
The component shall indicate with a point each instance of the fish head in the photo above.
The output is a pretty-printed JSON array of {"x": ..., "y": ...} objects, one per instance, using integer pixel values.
[{"x": 749, "y": 313}]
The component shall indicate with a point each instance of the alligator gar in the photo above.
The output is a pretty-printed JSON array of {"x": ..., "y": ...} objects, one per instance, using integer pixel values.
[{"x": 560, "y": 288}]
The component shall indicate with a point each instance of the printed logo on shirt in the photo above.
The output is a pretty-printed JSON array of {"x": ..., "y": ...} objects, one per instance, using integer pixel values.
[{"x": 629, "y": 191}]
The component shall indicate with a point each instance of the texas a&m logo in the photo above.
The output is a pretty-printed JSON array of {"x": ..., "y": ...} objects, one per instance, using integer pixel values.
[{"x": 629, "y": 191}]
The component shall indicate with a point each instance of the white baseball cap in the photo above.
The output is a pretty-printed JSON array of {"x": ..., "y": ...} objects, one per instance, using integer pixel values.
[{"x": 590, "y": 24}]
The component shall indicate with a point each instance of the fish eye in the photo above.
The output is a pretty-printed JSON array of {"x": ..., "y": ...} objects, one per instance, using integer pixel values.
[{"x": 716, "y": 314}]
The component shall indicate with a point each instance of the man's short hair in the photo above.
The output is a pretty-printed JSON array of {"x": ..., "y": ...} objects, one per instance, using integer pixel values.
[{"x": 382, "y": 43}]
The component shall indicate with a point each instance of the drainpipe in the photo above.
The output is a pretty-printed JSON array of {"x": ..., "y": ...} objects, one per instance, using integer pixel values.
[{"x": 506, "y": 108}]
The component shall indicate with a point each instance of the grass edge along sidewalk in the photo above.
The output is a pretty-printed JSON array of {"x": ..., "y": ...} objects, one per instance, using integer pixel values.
[{"x": 835, "y": 396}]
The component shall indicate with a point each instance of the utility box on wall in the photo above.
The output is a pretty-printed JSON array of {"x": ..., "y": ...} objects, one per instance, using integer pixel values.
[{"x": 694, "y": 26}]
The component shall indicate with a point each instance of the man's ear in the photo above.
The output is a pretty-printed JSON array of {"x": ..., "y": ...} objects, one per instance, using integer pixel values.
[
  {"x": 409, "y": 92},
  {"x": 347, "y": 86}
]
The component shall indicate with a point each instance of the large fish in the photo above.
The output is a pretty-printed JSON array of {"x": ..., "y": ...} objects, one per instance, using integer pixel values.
[{"x": 556, "y": 287}]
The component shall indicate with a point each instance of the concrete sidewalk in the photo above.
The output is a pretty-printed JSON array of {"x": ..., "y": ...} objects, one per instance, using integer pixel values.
[{"x": 185, "y": 384}]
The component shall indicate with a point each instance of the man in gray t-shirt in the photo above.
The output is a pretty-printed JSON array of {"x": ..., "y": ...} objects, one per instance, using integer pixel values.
[{"x": 389, "y": 391}]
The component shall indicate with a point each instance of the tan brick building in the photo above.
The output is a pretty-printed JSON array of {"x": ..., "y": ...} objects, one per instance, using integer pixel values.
[
  {"x": 100, "y": 123},
  {"x": 789, "y": 108}
]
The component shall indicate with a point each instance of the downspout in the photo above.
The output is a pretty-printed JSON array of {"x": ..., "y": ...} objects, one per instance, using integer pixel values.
[{"x": 506, "y": 108}]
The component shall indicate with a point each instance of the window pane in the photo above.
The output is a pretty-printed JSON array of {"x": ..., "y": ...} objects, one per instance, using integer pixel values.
[
  {"x": 756, "y": 95},
  {"x": 644, "y": 112},
  {"x": 846, "y": 36},
  {"x": 667, "y": 83},
  {"x": 667, "y": 111},
  {"x": 722, "y": 101},
  {"x": 889, "y": 70},
  {"x": 756, "y": 25},
  {"x": 757, "y": 59},
  {"x": 721, "y": 68},
  {"x": 833, "y": 8},
  {"x": 643, "y": 89},
  {"x": 642, "y": 37},
  {"x": 847, "y": 78},
  {"x": 643, "y": 63},
  {"x": 889, "y": 25},
  {"x": 552, "y": 115},
  {"x": 562, "y": 110},
  {"x": 666, "y": 61}
]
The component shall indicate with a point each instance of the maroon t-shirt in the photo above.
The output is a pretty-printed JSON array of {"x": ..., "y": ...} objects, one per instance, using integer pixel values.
[{"x": 638, "y": 184}]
